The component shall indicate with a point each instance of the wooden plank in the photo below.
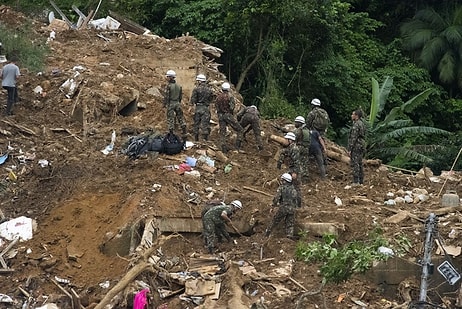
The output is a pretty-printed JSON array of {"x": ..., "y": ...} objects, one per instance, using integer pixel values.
[
  {"x": 257, "y": 191},
  {"x": 61, "y": 14},
  {"x": 128, "y": 24}
]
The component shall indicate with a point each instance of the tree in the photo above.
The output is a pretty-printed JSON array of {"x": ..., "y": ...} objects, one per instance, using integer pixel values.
[
  {"x": 436, "y": 41},
  {"x": 396, "y": 136}
]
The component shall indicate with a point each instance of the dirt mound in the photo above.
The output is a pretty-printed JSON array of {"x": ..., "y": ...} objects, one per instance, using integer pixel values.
[{"x": 92, "y": 209}]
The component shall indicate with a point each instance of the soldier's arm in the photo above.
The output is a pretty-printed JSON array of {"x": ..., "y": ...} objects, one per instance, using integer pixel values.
[
  {"x": 277, "y": 198},
  {"x": 232, "y": 103},
  {"x": 224, "y": 216},
  {"x": 166, "y": 95},
  {"x": 181, "y": 94}
]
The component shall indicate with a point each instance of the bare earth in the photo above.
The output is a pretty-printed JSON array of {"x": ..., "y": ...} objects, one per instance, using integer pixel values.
[{"x": 84, "y": 199}]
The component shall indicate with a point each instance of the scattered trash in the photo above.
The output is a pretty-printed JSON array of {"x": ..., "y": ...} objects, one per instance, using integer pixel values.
[
  {"x": 338, "y": 201},
  {"x": 452, "y": 234},
  {"x": 191, "y": 161},
  {"x": 385, "y": 251},
  {"x": 110, "y": 147},
  {"x": 390, "y": 202},
  {"x": 21, "y": 227},
  {"x": 5, "y": 298},
  {"x": 61, "y": 280},
  {"x": 140, "y": 300},
  {"x": 3, "y": 158},
  {"x": 43, "y": 163},
  {"x": 207, "y": 160},
  {"x": 38, "y": 90},
  {"x": 228, "y": 168},
  {"x": 156, "y": 187},
  {"x": 12, "y": 176},
  {"x": 390, "y": 195},
  {"x": 105, "y": 284},
  {"x": 193, "y": 173}
]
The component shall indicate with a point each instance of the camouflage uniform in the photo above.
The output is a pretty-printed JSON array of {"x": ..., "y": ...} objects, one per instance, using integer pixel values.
[
  {"x": 291, "y": 157},
  {"x": 214, "y": 225},
  {"x": 303, "y": 141},
  {"x": 317, "y": 152},
  {"x": 312, "y": 115},
  {"x": 249, "y": 115},
  {"x": 357, "y": 148},
  {"x": 225, "y": 108},
  {"x": 172, "y": 100},
  {"x": 287, "y": 198},
  {"x": 202, "y": 96}
]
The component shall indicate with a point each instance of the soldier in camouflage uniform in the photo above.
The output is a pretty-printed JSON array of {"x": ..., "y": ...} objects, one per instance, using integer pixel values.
[
  {"x": 172, "y": 101},
  {"x": 225, "y": 110},
  {"x": 317, "y": 119},
  {"x": 357, "y": 146},
  {"x": 201, "y": 97},
  {"x": 291, "y": 157},
  {"x": 287, "y": 198},
  {"x": 249, "y": 116},
  {"x": 303, "y": 141},
  {"x": 214, "y": 222}
]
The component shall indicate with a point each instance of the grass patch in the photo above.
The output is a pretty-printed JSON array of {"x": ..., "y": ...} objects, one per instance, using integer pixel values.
[{"x": 24, "y": 43}]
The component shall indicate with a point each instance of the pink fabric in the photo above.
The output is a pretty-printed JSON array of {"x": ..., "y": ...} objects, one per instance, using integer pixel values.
[{"x": 140, "y": 300}]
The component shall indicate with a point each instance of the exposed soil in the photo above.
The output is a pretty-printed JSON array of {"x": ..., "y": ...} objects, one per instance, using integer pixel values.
[{"x": 84, "y": 199}]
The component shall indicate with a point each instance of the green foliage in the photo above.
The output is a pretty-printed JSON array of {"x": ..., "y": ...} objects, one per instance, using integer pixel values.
[
  {"x": 393, "y": 137},
  {"x": 436, "y": 41},
  {"x": 340, "y": 263},
  {"x": 30, "y": 51}
]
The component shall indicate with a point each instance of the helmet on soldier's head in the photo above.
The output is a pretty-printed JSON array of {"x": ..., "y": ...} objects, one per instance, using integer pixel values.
[
  {"x": 316, "y": 102},
  {"x": 290, "y": 136},
  {"x": 201, "y": 78},
  {"x": 287, "y": 177},
  {"x": 300, "y": 119},
  {"x": 253, "y": 106},
  {"x": 226, "y": 86},
  {"x": 170, "y": 73},
  {"x": 237, "y": 204}
]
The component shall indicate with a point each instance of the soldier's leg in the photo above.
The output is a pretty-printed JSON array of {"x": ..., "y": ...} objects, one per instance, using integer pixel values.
[
  {"x": 319, "y": 157},
  {"x": 197, "y": 119},
  {"x": 355, "y": 166},
  {"x": 205, "y": 124},
  {"x": 209, "y": 234},
  {"x": 180, "y": 118},
  {"x": 275, "y": 221},
  {"x": 239, "y": 130},
  {"x": 170, "y": 119},
  {"x": 289, "y": 223},
  {"x": 360, "y": 168},
  {"x": 257, "y": 132},
  {"x": 222, "y": 132}
]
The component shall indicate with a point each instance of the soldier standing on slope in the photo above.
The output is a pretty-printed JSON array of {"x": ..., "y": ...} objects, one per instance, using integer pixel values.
[
  {"x": 225, "y": 110},
  {"x": 172, "y": 101},
  {"x": 201, "y": 97},
  {"x": 357, "y": 146},
  {"x": 303, "y": 141}
]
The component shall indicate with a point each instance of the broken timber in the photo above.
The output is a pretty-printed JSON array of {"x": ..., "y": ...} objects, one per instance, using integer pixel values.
[
  {"x": 257, "y": 191},
  {"x": 128, "y": 24}
]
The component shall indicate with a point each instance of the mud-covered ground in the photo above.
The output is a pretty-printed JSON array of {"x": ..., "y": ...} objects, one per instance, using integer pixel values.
[{"x": 83, "y": 199}]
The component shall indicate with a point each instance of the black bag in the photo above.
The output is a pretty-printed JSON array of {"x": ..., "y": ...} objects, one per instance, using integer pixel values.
[
  {"x": 172, "y": 144},
  {"x": 137, "y": 146}
]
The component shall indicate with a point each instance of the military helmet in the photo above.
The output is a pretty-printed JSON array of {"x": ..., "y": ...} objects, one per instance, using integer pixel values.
[
  {"x": 300, "y": 119},
  {"x": 290, "y": 136},
  {"x": 316, "y": 102},
  {"x": 287, "y": 177},
  {"x": 170, "y": 73},
  {"x": 237, "y": 204},
  {"x": 201, "y": 78}
]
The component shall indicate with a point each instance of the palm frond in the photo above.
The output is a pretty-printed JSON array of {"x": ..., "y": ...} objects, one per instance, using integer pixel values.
[
  {"x": 457, "y": 19},
  {"x": 432, "y": 51},
  {"x": 410, "y": 154},
  {"x": 413, "y": 131},
  {"x": 415, "y": 38},
  {"x": 415, "y": 101},
  {"x": 374, "y": 102},
  {"x": 453, "y": 34},
  {"x": 432, "y": 18},
  {"x": 398, "y": 123},
  {"x": 447, "y": 67},
  {"x": 384, "y": 91}
]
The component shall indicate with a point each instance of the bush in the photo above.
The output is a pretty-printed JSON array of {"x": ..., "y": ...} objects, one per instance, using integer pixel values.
[{"x": 22, "y": 43}]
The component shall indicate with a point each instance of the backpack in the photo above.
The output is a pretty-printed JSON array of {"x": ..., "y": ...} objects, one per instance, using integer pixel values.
[
  {"x": 137, "y": 146},
  {"x": 172, "y": 144},
  {"x": 321, "y": 120}
]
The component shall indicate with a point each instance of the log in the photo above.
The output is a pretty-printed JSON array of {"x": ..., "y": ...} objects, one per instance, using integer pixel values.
[
  {"x": 133, "y": 273},
  {"x": 257, "y": 191},
  {"x": 279, "y": 139}
]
